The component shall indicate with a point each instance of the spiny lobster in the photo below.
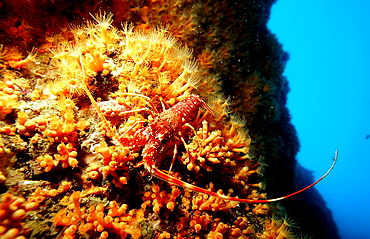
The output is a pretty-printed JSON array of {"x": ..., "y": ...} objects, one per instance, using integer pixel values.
[{"x": 166, "y": 125}]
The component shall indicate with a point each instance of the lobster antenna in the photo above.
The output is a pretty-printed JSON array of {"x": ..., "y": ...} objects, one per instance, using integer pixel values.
[
  {"x": 110, "y": 131},
  {"x": 170, "y": 179}
]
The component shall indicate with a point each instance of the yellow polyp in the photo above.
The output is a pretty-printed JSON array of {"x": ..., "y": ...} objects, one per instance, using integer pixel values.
[
  {"x": 244, "y": 150},
  {"x": 72, "y": 162},
  {"x": 94, "y": 61},
  {"x": 68, "y": 128},
  {"x": 214, "y": 160},
  {"x": 212, "y": 136},
  {"x": 82, "y": 125},
  {"x": 104, "y": 150}
]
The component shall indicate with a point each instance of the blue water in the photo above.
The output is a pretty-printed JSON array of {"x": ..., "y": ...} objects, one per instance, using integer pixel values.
[{"x": 329, "y": 76}]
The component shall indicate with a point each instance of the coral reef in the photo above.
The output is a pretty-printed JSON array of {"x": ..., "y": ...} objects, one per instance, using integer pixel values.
[
  {"x": 73, "y": 109},
  {"x": 133, "y": 75}
]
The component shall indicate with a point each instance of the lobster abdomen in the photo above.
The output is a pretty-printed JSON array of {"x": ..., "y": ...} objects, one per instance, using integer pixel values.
[{"x": 188, "y": 108}]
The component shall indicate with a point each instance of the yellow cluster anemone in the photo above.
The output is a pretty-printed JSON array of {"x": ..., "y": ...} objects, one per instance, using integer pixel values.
[{"x": 152, "y": 63}]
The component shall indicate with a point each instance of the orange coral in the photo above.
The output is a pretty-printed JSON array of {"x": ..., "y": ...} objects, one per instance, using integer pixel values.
[
  {"x": 67, "y": 155},
  {"x": 158, "y": 199},
  {"x": 211, "y": 203},
  {"x": 200, "y": 221},
  {"x": 210, "y": 147},
  {"x": 7, "y": 129},
  {"x": 116, "y": 221},
  {"x": 93, "y": 171},
  {"x": 9, "y": 95},
  {"x": 46, "y": 161},
  {"x": 13, "y": 210},
  {"x": 40, "y": 194},
  {"x": 218, "y": 230}
]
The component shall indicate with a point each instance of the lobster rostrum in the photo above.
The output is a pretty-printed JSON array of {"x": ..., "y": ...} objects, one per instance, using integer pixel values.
[{"x": 165, "y": 126}]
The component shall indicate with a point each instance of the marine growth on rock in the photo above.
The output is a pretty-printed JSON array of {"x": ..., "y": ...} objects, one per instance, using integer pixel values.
[{"x": 73, "y": 115}]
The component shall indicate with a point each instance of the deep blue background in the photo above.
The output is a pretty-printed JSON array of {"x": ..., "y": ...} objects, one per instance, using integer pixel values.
[{"x": 329, "y": 76}]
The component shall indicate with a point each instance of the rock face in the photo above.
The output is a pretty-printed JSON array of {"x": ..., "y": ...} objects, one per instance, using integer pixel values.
[{"x": 96, "y": 98}]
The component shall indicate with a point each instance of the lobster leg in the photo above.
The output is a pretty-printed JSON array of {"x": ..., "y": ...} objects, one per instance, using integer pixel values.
[
  {"x": 183, "y": 141},
  {"x": 173, "y": 157}
]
